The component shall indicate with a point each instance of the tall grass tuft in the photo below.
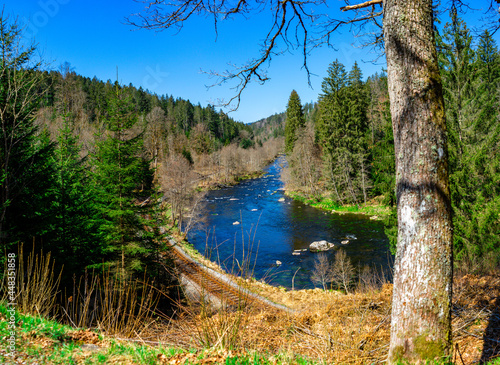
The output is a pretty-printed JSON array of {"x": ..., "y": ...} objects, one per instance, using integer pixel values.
[
  {"x": 221, "y": 329},
  {"x": 124, "y": 307},
  {"x": 36, "y": 283},
  {"x": 97, "y": 300}
]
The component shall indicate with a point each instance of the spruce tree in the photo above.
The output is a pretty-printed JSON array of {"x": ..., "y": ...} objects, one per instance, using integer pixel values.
[
  {"x": 332, "y": 110},
  {"x": 25, "y": 169},
  {"x": 75, "y": 241},
  {"x": 470, "y": 82},
  {"x": 118, "y": 174},
  {"x": 295, "y": 121},
  {"x": 342, "y": 127},
  {"x": 357, "y": 124}
]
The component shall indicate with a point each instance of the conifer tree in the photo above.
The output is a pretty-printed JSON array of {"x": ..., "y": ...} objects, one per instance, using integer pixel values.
[
  {"x": 357, "y": 124},
  {"x": 332, "y": 110},
  {"x": 295, "y": 120},
  {"x": 75, "y": 241},
  {"x": 384, "y": 168},
  {"x": 118, "y": 173},
  {"x": 470, "y": 82},
  {"x": 342, "y": 127},
  {"x": 25, "y": 169}
]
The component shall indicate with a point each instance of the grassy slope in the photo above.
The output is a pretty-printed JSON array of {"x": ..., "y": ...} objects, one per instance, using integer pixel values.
[{"x": 40, "y": 340}]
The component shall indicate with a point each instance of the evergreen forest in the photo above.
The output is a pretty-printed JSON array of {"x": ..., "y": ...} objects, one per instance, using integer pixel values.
[{"x": 344, "y": 153}]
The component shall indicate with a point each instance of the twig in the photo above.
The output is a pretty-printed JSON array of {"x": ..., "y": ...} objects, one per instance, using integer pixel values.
[
  {"x": 313, "y": 334},
  {"x": 459, "y": 353}
]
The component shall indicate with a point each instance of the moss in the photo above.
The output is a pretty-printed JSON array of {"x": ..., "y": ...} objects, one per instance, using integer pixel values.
[
  {"x": 398, "y": 354},
  {"x": 428, "y": 349}
]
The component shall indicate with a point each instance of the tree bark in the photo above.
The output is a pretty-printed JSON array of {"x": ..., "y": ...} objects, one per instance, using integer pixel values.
[{"x": 421, "y": 316}]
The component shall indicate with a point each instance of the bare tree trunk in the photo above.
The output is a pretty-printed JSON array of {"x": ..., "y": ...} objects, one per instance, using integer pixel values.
[
  {"x": 332, "y": 172},
  {"x": 421, "y": 320},
  {"x": 363, "y": 182}
]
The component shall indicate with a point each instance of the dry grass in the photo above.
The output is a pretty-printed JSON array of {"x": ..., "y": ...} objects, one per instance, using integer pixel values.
[
  {"x": 36, "y": 283},
  {"x": 330, "y": 327},
  {"x": 116, "y": 307},
  {"x": 476, "y": 318},
  {"x": 326, "y": 326}
]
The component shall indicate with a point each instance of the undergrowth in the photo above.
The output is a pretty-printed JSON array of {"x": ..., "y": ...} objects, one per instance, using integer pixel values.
[{"x": 45, "y": 341}]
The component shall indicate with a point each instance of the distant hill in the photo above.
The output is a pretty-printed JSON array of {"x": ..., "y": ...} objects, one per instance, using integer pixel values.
[
  {"x": 274, "y": 125},
  {"x": 270, "y": 127}
]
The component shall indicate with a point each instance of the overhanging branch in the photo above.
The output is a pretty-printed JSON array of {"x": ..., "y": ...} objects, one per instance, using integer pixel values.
[
  {"x": 295, "y": 26},
  {"x": 363, "y": 5}
]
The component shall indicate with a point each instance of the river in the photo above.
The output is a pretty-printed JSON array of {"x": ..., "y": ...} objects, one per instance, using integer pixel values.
[{"x": 255, "y": 223}]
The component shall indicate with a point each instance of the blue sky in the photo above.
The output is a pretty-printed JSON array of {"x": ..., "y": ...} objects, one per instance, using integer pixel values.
[{"x": 92, "y": 36}]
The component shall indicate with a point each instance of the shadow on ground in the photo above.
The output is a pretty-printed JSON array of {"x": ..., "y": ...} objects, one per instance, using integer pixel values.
[{"x": 491, "y": 348}]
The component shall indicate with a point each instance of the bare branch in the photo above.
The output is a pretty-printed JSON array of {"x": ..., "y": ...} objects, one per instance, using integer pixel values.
[
  {"x": 363, "y": 5},
  {"x": 295, "y": 26}
]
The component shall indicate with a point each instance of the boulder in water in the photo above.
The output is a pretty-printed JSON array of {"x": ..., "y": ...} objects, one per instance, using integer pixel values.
[{"x": 319, "y": 246}]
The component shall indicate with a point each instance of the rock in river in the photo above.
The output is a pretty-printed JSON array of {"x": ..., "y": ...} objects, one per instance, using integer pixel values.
[{"x": 318, "y": 246}]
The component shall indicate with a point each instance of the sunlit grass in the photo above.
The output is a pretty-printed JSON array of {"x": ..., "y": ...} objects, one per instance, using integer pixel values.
[{"x": 372, "y": 208}]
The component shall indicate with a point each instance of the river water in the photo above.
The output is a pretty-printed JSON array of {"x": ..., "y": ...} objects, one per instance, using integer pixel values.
[{"x": 248, "y": 227}]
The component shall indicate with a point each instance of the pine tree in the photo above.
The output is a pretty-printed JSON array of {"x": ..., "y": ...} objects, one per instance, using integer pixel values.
[
  {"x": 357, "y": 120},
  {"x": 295, "y": 121},
  {"x": 75, "y": 240},
  {"x": 25, "y": 170},
  {"x": 342, "y": 129},
  {"x": 470, "y": 82},
  {"x": 383, "y": 172},
  {"x": 332, "y": 109},
  {"x": 118, "y": 173}
]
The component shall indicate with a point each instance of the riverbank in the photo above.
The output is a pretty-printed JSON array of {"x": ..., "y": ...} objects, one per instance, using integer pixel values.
[
  {"x": 374, "y": 208},
  {"x": 216, "y": 183}
]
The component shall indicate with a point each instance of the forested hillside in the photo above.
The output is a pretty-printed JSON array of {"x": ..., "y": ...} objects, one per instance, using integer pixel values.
[
  {"x": 345, "y": 153},
  {"x": 94, "y": 171}
]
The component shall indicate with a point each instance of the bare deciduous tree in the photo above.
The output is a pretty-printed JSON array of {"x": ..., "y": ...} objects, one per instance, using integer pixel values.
[
  {"x": 304, "y": 162},
  {"x": 342, "y": 271},
  {"x": 322, "y": 271},
  {"x": 155, "y": 134},
  {"x": 177, "y": 180}
]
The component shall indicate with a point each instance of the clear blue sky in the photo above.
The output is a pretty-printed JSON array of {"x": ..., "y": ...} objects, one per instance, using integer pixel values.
[{"x": 92, "y": 36}]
